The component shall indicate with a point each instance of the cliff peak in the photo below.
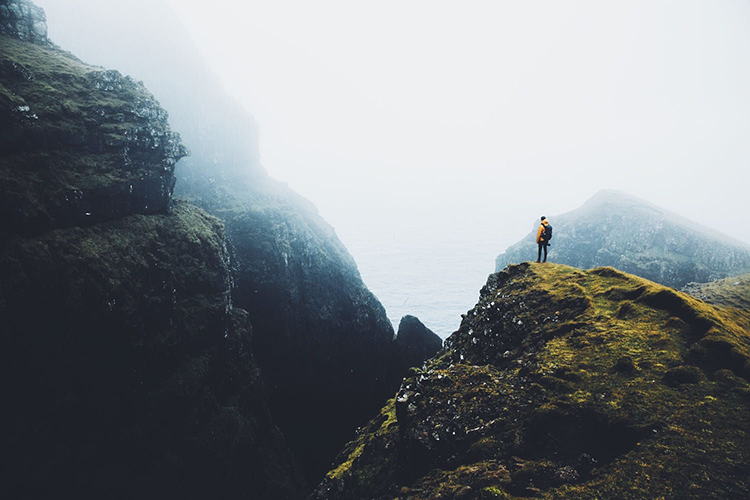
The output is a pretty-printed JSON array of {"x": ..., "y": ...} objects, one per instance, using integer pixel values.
[
  {"x": 80, "y": 144},
  {"x": 23, "y": 20}
]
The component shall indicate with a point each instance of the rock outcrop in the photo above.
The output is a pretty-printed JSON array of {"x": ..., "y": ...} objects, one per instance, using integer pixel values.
[
  {"x": 127, "y": 370},
  {"x": 729, "y": 292},
  {"x": 630, "y": 234},
  {"x": 563, "y": 383},
  {"x": 23, "y": 20},
  {"x": 79, "y": 143},
  {"x": 413, "y": 345}
]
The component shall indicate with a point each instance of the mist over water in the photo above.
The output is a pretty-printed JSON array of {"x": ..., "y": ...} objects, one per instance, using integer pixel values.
[
  {"x": 431, "y": 135},
  {"x": 433, "y": 271}
]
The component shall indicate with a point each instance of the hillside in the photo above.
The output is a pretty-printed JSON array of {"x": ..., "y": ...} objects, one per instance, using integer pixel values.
[
  {"x": 628, "y": 233},
  {"x": 729, "y": 292},
  {"x": 563, "y": 383}
]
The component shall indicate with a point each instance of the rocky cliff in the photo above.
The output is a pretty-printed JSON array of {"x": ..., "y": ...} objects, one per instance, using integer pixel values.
[
  {"x": 322, "y": 339},
  {"x": 563, "y": 383},
  {"x": 414, "y": 344},
  {"x": 127, "y": 370},
  {"x": 619, "y": 230},
  {"x": 82, "y": 142}
]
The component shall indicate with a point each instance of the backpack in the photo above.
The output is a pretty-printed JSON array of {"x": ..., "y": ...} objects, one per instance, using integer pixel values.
[{"x": 548, "y": 232}]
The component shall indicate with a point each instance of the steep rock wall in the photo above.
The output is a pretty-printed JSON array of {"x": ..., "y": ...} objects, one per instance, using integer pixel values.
[{"x": 127, "y": 371}]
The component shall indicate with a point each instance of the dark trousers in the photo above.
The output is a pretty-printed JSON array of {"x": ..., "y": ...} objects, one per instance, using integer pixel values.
[{"x": 542, "y": 244}]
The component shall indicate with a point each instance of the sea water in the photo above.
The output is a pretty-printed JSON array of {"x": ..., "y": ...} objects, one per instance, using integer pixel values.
[{"x": 433, "y": 271}]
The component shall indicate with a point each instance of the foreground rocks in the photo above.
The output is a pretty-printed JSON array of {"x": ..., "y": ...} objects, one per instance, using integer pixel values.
[{"x": 563, "y": 383}]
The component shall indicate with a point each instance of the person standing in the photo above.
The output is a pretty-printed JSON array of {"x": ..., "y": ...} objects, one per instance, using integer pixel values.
[{"x": 543, "y": 235}]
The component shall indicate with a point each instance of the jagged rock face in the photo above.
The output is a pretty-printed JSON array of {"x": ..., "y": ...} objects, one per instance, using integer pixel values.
[
  {"x": 80, "y": 145},
  {"x": 322, "y": 339},
  {"x": 133, "y": 375},
  {"x": 564, "y": 383},
  {"x": 413, "y": 345},
  {"x": 23, "y": 20},
  {"x": 729, "y": 292},
  {"x": 619, "y": 230}
]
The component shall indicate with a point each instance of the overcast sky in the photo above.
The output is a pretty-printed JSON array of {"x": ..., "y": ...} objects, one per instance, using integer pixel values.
[
  {"x": 406, "y": 108},
  {"x": 512, "y": 107},
  {"x": 446, "y": 128}
]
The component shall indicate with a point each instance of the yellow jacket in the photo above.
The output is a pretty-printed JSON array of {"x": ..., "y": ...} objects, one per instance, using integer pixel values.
[{"x": 540, "y": 231}]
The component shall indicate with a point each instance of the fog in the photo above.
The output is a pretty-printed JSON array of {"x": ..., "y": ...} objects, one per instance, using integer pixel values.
[{"x": 432, "y": 134}]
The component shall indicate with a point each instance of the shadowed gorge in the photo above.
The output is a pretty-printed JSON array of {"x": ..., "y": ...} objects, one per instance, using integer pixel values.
[{"x": 564, "y": 383}]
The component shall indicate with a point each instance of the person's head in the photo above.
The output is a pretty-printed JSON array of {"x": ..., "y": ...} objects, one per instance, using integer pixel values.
[{"x": 544, "y": 218}]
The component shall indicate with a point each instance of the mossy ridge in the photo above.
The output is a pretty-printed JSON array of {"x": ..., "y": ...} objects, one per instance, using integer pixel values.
[
  {"x": 80, "y": 144},
  {"x": 578, "y": 384}
]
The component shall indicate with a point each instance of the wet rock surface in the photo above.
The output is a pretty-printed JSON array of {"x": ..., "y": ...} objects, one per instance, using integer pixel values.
[
  {"x": 549, "y": 390},
  {"x": 630, "y": 234}
]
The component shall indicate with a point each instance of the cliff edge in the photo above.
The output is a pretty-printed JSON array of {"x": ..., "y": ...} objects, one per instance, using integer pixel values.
[{"x": 563, "y": 383}]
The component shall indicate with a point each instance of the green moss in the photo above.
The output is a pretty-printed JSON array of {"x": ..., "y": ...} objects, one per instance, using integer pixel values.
[
  {"x": 554, "y": 365},
  {"x": 383, "y": 427},
  {"x": 80, "y": 144}
]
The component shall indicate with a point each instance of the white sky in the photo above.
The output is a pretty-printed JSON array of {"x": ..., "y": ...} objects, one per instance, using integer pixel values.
[
  {"x": 447, "y": 128},
  {"x": 509, "y": 107}
]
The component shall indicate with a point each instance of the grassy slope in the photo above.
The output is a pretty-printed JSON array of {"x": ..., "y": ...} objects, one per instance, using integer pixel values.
[
  {"x": 729, "y": 292},
  {"x": 564, "y": 383}
]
